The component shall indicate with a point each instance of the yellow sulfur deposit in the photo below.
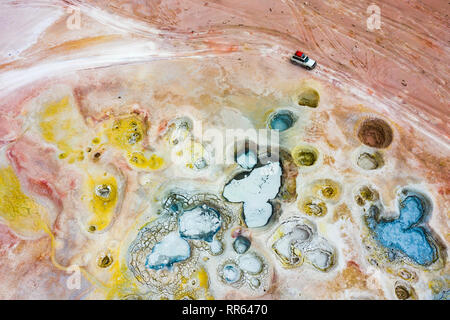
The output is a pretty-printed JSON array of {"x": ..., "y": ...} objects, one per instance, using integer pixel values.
[
  {"x": 21, "y": 213},
  {"x": 196, "y": 287},
  {"x": 102, "y": 197},
  {"x": 126, "y": 133},
  {"x": 61, "y": 124},
  {"x": 139, "y": 160}
]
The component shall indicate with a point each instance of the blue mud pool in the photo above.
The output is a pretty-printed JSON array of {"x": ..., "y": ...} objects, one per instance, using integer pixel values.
[
  {"x": 282, "y": 120},
  {"x": 402, "y": 234}
]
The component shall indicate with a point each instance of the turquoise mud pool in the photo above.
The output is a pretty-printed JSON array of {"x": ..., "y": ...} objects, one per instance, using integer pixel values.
[{"x": 282, "y": 120}]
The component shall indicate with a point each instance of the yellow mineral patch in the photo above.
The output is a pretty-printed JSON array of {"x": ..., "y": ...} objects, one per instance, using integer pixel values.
[
  {"x": 278, "y": 234},
  {"x": 102, "y": 197},
  {"x": 17, "y": 210},
  {"x": 192, "y": 153},
  {"x": 139, "y": 160},
  {"x": 126, "y": 133},
  {"x": 436, "y": 285},
  {"x": 286, "y": 262},
  {"x": 309, "y": 97},
  {"x": 203, "y": 278},
  {"x": 313, "y": 207},
  {"x": 196, "y": 287},
  {"x": 62, "y": 125},
  {"x": 176, "y": 134},
  {"x": 105, "y": 261},
  {"x": 81, "y": 43},
  {"x": 326, "y": 189},
  {"x": 368, "y": 194},
  {"x": 96, "y": 140},
  {"x": 304, "y": 155},
  {"x": 120, "y": 285}
]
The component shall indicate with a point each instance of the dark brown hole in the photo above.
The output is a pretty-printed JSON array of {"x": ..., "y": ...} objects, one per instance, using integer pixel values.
[
  {"x": 105, "y": 261},
  {"x": 375, "y": 133},
  {"x": 401, "y": 292}
]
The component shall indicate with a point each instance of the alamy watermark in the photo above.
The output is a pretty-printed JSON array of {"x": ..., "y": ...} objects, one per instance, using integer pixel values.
[{"x": 215, "y": 146}]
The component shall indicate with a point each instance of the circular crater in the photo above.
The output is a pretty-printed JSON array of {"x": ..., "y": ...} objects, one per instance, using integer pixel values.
[
  {"x": 327, "y": 189},
  {"x": 304, "y": 155},
  {"x": 370, "y": 160},
  {"x": 309, "y": 98},
  {"x": 105, "y": 261},
  {"x": 231, "y": 273},
  {"x": 375, "y": 133},
  {"x": 313, "y": 207},
  {"x": 281, "y": 120},
  {"x": 402, "y": 292}
]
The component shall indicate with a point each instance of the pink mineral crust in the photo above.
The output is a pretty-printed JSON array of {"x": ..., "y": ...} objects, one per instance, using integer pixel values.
[
  {"x": 224, "y": 64},
  {"x": 409, "y": 48},
  {"x": 28, "y": 272}
]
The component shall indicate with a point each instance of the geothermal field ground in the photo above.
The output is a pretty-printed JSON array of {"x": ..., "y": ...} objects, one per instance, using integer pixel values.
[{"x": 169, "y": 150}]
